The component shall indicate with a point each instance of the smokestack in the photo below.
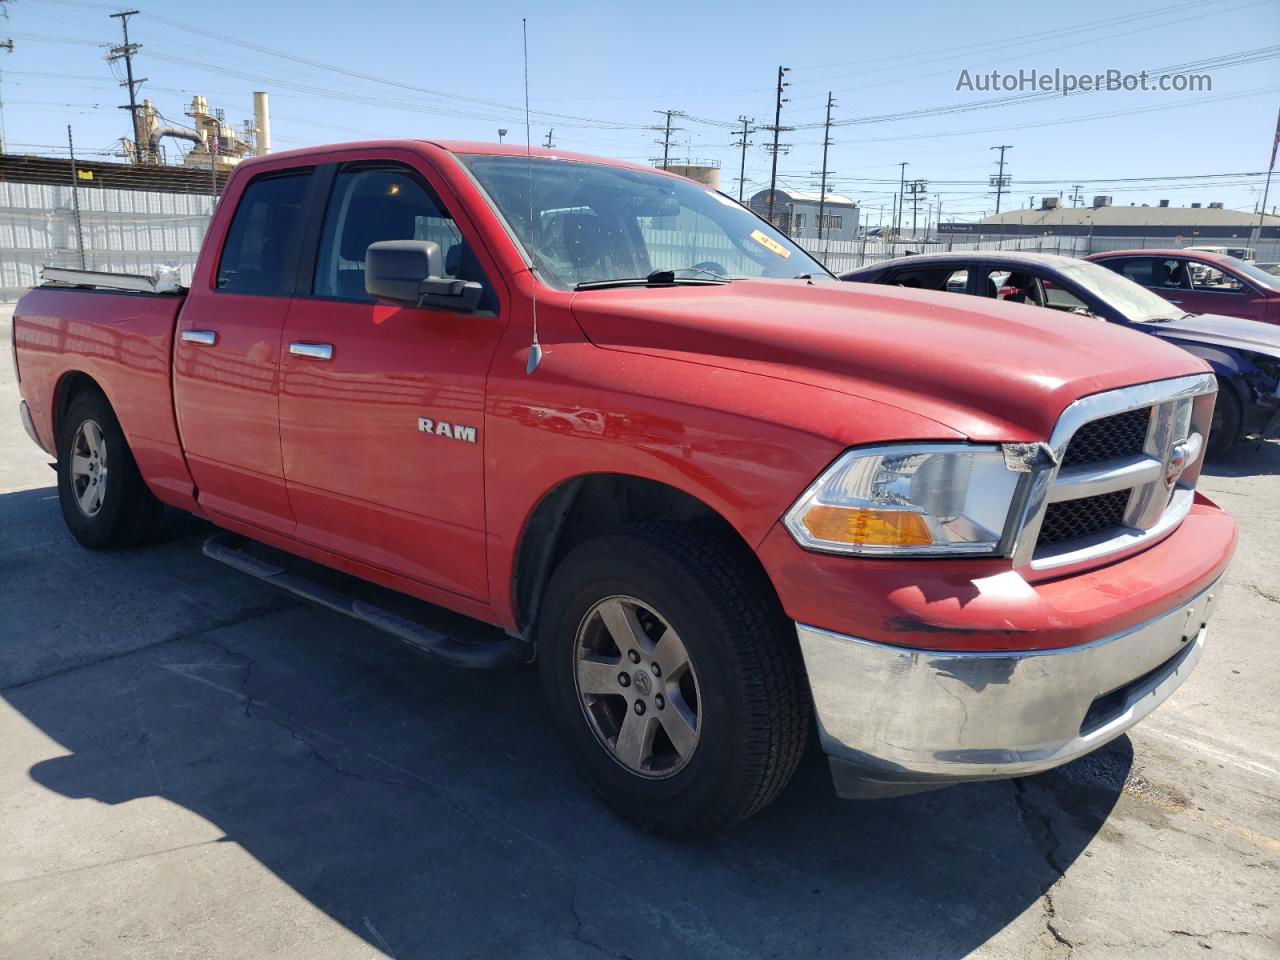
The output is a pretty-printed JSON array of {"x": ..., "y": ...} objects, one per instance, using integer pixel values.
[{"x": 261, "y": 120}]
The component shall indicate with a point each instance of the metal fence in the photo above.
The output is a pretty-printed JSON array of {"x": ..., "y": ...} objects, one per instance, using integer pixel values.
[
  {"x": 133, "y": 231},
  {"x": 138, "y": 231},
  {"x": 840, "y": 256}
]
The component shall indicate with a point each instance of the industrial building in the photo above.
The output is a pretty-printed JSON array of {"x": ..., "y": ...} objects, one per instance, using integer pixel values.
[
  {"x": 139, "y": 216},
  {"x": 1188, "y": 224},
  {"x": 796, "y": 213}
]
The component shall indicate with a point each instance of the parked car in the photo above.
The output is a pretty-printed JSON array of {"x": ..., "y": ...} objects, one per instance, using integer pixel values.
[
  {"x": 1202, "y": 282},
  {"x": 640, "y": 436},
  {"x": 1244, "y": 355}
]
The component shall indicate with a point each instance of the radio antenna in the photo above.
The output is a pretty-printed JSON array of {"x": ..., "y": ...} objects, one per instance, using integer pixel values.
[{"x": 535, "y": 348}]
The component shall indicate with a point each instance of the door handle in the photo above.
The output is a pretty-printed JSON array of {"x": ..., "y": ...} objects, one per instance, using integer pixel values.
[
  {"x": 206, "y": 338},
  {"x": 1175, "y": 301},
  {"x": 312, "y": 351}
]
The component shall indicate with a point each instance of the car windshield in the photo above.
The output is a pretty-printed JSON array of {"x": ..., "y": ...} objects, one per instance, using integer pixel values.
[
  {"x": 1262, "y": 278},
  {"x": 1135, "y": 303},
  {"x": 592, "y": 222}
]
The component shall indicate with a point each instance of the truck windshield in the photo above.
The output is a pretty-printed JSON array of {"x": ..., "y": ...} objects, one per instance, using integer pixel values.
[
  {"x": 591, "y": 222},
  {"x": 1135, "y": 303}
]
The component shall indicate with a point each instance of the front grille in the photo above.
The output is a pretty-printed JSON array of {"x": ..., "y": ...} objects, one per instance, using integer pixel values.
[
  {"x": 1120, "y": 435},
  {"x": 1072, "y": 519},
  {"x": 1110, "y": 490}
]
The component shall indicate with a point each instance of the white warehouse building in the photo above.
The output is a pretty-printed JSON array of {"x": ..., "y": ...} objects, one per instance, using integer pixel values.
[{"x": 795, "y": 213}]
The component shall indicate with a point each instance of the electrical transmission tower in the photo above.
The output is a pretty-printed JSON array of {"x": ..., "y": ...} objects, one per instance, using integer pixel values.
[
  {"x": 776, "y": 147},
  {"x": 667, "y": 129},
  {"x": 1000, "y": 181},
  {"x": 742, "y": 144}
]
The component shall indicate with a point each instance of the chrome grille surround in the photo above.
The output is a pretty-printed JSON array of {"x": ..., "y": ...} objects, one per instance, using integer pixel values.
[{"x": 1181, "y": 411}]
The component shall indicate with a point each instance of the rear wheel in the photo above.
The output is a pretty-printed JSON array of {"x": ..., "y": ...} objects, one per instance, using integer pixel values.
[
  {"x": 104, "y": 500},
  {"x": 673, "y": 677},
  {"x": 1227, "y": 416}
]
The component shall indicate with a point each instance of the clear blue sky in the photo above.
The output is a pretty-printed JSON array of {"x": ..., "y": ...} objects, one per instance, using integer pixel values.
[{"x": 607, "y": 67}]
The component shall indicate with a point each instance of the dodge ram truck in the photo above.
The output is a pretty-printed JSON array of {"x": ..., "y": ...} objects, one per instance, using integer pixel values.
[{"x": 639, "y": 436}]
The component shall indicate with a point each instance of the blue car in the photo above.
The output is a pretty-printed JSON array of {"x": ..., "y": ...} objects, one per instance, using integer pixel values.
[{"x": 1244, "y": 354}]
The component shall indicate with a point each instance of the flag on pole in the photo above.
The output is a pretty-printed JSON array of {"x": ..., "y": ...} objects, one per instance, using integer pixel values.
[{"x": 215, "y": 146}]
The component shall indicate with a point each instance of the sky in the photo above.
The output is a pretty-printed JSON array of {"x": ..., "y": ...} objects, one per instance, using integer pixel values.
[{"x": 600, "y": 72}]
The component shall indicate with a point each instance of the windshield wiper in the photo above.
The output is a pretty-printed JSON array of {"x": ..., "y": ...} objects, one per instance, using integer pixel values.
[{"x": 658, "y": 278}]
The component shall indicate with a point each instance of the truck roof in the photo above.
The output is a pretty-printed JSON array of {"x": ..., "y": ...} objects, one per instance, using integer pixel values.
[{"x": 459, "y": 147}]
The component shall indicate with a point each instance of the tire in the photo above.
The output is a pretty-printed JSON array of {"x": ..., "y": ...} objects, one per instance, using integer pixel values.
[
  {"x": 104, "y": 500},
  {"x": 1227, "y": 421},
  {"x": 744, "y": 694}
]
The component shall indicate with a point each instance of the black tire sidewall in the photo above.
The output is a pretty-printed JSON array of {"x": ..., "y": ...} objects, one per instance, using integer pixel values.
[
  {"x": 1228, "y": 404},
  {"x": 103, "y": 527},
  {"x": 619, "y": 565}
]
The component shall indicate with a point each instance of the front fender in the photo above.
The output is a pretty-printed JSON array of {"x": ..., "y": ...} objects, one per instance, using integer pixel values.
[{"x": 744, "y": 444}]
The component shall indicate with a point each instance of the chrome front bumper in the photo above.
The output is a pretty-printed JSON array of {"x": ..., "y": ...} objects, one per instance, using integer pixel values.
[{"x": 895, "y": 720}]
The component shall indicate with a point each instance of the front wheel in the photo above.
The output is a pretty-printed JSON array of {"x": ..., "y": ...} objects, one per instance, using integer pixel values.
[
  {"x": 673, "y": 677},
  {"x": 1227, "y": 421}
]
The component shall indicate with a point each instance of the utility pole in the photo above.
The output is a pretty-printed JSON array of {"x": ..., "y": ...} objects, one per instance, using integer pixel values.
[
  {"x": 743, "y": 144},
  {"x": 938, "y": 221},
  {"x": 822, "y": 192},
  {"x": 917, "y": 188},
  {"x": 75, "y": 196},
  {"x": 897, "y": 203},
  {"x": 7, "y": 46},
  {"x": 777, "y": 129},
  {"x": 1000, "y": 181},
  {"x": 668, "y": 129},
  {"x": 1266, "y": 190},
  {"x": 549, "y": 144},
  {"x": 125, "y": 52},
  {"x": 1077, "y": 197}
]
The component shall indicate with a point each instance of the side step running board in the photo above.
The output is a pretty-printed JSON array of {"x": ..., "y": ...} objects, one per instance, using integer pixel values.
[{"x": 229, "y": 549}]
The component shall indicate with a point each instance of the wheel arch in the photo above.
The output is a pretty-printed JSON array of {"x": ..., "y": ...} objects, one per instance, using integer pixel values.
[
  {"x": 70, "y": 384},
  {"x": 588, "y": 505}
]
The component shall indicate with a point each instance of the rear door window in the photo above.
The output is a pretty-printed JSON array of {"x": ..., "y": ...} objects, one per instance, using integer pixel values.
[{"x": 259, "y": 255}]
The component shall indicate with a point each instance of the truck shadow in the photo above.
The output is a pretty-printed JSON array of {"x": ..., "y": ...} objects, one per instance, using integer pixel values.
[
  {"x": 1252, "y": 458},
  {"x": 430, "y": 812}
]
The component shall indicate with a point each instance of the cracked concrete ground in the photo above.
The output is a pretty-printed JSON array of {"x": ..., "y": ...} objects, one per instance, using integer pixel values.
[{"x": 193, "y": 765}]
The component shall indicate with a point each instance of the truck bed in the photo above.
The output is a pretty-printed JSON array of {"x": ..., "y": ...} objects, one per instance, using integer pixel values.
[{"x": 124, "y": 343}]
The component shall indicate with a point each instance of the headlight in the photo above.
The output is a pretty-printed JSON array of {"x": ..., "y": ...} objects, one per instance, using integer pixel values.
[{"x": 926, "y": 499}]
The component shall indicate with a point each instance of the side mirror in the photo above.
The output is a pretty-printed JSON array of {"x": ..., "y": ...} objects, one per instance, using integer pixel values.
[{"x": 412, "y": 272}]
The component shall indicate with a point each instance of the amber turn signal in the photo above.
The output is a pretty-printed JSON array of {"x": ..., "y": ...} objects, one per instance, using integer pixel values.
[{"x": 862, "y": 526}]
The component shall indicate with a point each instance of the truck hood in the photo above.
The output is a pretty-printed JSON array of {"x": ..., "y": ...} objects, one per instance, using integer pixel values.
[
  {"x": 991, "y": 370},
  {"x": 1250, "y": 335}
]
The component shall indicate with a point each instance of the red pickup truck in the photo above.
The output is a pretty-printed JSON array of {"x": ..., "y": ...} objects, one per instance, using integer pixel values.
[{"x": 656, "y": 447}]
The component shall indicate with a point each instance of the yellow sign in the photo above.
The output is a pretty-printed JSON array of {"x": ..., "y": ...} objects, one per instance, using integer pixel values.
[
  {"x": 769, "y": 243},
  {"x": 84, "y": 174}
]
